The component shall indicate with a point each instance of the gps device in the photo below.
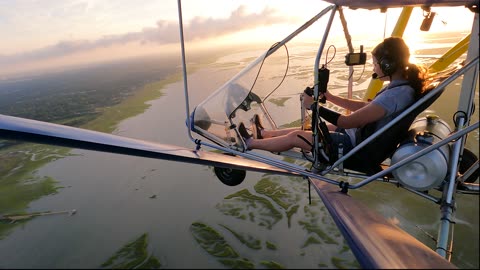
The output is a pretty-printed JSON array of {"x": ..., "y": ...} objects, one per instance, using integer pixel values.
[{"x": 353, "y": 59}]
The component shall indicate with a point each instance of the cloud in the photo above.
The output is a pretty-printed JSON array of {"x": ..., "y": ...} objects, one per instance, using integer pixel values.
[
  {"x": 165, "y": 32},
  {"x": 238, "y": 21}
]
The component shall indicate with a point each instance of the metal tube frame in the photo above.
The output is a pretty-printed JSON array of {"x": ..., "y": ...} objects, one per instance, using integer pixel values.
[
  {"x": 458, "y": 137},
  {"x": 465, "y": 104},
  {"x": 296, "y": 169},
  {"x": 315, "y": 131}
]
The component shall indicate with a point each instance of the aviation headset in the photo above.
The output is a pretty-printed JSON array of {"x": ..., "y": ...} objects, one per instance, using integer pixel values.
[{"x": 387, "y": 63}]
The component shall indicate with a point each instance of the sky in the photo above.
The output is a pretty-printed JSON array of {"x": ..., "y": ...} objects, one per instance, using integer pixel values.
[{"x": 39, "y": 34}]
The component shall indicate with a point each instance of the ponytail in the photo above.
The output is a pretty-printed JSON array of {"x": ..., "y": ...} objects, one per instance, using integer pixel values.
[{"x": 416, "y": 76}]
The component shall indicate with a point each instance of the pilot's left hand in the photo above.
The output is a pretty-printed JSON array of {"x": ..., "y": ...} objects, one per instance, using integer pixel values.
[{"x": 307, "y": 100}]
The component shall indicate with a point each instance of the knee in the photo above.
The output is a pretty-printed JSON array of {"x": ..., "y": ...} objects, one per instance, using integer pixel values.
[{"x": 294, "y": 136}]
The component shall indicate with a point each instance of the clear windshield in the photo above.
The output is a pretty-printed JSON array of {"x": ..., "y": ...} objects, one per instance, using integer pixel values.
[
  {"x": 242, "y": 97},
  {"x": 270, "y": 87}
]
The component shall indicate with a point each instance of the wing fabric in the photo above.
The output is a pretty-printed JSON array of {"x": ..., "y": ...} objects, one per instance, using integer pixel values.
[{"x": 22, "y": 129}]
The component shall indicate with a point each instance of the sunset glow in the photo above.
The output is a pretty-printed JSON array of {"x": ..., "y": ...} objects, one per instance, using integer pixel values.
[{"x": 71, "y": 32}]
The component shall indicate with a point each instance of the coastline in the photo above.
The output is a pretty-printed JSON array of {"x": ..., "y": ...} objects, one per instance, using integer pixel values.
[
  {"x": 132, "y": 106},
  {"x": 20, "y": 185},
  {"x": 19, "y": 163}
]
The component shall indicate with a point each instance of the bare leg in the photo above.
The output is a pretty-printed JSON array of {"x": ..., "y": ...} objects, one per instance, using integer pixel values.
[
  {"x": 283, "y": 142},
  {"x": 331, "y": 127},
  {"x": 279, "y": 132}
]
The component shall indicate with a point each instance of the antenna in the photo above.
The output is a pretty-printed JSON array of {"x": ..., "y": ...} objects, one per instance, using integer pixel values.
[{"x": 384, "y": 23}]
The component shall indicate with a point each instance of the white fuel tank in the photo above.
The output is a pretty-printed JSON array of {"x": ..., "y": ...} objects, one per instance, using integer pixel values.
[{"x": 429, "y": 170}]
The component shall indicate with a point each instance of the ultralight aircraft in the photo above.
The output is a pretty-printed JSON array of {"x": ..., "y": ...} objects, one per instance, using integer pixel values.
[{"x": 428, "y": 159}]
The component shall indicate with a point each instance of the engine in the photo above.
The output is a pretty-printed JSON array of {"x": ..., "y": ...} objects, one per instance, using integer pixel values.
[{"x": 429, "y": 170}]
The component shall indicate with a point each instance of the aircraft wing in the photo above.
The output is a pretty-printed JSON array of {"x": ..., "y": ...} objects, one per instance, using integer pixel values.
[
  {"x": 375, "y": 242},
  {"x": 376, "y": 4},
  {"x": 22, "y": 129}
]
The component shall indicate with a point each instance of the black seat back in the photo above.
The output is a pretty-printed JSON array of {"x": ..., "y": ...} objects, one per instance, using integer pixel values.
[{"x": 369, "y": 158}]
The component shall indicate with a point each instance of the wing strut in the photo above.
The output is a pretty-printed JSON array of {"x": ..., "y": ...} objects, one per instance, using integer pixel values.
[{"x": 184, "y": 69}]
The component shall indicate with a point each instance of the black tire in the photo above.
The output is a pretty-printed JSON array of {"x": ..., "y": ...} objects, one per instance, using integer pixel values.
[{"x": 230, "y": 177}]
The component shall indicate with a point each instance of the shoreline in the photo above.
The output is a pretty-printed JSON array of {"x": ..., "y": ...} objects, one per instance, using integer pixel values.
[
  {"x": 19, "y": 163},
  {"x": 20, "y": 184}
]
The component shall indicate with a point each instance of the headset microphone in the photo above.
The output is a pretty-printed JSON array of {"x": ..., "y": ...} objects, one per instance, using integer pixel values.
[{"x": 375, "y": 76}]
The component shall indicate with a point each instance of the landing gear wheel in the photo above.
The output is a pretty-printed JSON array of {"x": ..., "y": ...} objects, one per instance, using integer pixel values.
[
  {"x": 468, "y": 160},
  {"x": 230, "y": 177}
]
